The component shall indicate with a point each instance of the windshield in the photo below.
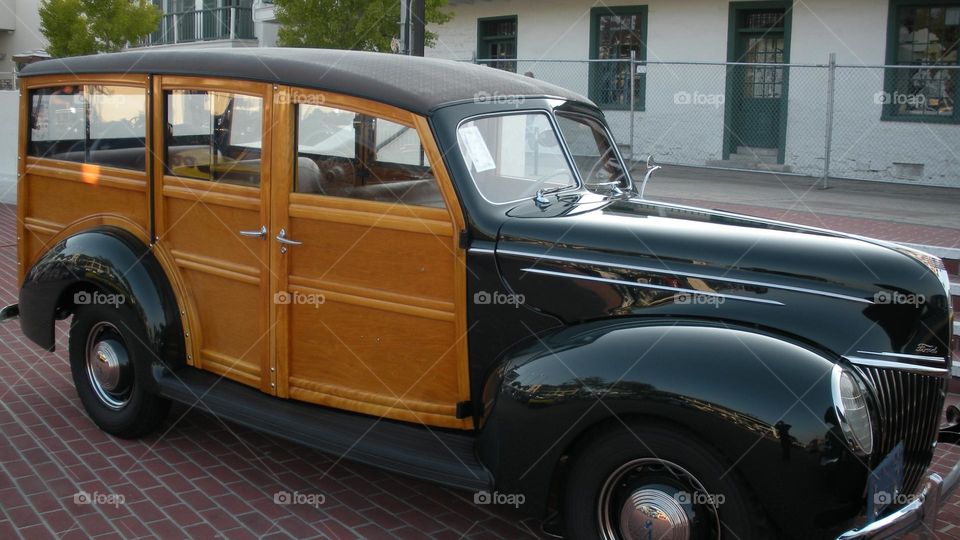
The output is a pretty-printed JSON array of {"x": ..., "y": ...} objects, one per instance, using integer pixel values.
[
  {"x": 593, "y": 152},
  {"x": 513, "y": 156}
]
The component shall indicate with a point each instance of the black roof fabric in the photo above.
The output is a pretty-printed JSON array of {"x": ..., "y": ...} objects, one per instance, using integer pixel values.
[{"x": 412, "y": 83}]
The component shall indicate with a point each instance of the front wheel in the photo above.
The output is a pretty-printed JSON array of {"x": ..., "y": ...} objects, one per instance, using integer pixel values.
[
  {"x": 109, "y": 361},
  {"x": 653, "y": 482}
]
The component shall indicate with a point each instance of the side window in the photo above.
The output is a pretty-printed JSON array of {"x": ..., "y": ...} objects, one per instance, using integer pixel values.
[
  {"x": 592, "y": 151},
  {"x": 58, "y": 123},
  {"x": 214, "y": 136},
  {"x": 346, "y": 154},
  {"x": 95, "y": 124}
]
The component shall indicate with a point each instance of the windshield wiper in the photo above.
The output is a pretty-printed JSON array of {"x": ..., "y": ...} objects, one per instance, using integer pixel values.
[{"x": 541, "y": 199}]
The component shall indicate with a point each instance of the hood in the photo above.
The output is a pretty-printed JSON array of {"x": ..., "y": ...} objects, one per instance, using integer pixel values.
[{"x": 638, "y": 258}]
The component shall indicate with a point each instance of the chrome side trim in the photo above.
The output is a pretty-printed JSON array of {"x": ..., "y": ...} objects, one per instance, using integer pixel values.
[
  {"x": 914, "y": 368},
  {"x": 920, "y": 357},
  {"x": 481, "y": 250},
  {"x": 651, "y": 286},
  {"x": 687, "y": 274}
]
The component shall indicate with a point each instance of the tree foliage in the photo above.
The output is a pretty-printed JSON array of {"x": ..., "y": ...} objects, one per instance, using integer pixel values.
[
  {"x": 77, "y": 27},
  {"x": 367, "y": 25}
]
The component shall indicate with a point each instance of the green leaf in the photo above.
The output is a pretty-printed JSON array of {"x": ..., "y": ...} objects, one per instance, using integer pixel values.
[
  {"x": 347, "y": 24},
  {"x": 78, "y": 27}
]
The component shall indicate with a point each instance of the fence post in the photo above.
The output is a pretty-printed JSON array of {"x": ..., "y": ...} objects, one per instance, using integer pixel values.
[
  {"x": 831, "y": 94},
  {"x": 233, "y": 23},
  {"x": 633, "y": 98},
  {"x": 176, "y": 29}
]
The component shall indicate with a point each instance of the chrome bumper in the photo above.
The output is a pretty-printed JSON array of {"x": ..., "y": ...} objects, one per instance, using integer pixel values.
[{"x": 919, "y": 515}]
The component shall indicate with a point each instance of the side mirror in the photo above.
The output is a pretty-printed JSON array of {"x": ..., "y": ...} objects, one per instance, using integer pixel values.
[{"x": 652, "y": 167}]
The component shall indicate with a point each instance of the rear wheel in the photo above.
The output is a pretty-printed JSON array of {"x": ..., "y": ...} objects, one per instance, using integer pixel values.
[
  {"x": 654, "y": 482},
  {"x": 110, "y": 362}
]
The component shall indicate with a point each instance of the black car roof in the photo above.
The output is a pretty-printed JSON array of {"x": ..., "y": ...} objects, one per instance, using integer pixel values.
[{"x": 416, "y": 84}]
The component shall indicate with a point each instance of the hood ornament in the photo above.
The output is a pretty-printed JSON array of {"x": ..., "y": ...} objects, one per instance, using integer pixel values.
[{"x": 651, "y": 168}]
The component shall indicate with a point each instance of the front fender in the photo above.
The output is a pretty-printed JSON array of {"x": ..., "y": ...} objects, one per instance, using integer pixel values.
[
  {"x": 111, "y": 261},
  {"x": 765, "y": 404}
]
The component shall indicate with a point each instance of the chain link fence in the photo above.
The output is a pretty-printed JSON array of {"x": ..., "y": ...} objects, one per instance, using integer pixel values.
[{"x": 887, "y": 123}]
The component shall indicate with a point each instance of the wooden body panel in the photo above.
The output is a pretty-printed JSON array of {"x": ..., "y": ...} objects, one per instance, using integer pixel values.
[
  {"x": 226, "y": 274},
  {"x": 388, "y": 336},
  {"x": 386, "y": 339}
]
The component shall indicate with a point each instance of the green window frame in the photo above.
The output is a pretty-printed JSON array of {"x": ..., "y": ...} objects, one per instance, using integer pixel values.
[
  {"x": 609, "y": 83},
  {"x": 925, "y": 34},
  {"x": 498, "y": 33}
]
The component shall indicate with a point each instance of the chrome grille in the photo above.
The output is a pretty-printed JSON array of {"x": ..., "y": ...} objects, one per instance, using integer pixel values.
[{"x": 909, "y": 408}]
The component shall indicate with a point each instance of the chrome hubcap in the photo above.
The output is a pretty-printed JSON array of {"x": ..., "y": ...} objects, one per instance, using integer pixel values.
[
  {"x": 108, "y": 366},
  {"x": 652, "y": 498},
  {"x": 651, "y": 513}
]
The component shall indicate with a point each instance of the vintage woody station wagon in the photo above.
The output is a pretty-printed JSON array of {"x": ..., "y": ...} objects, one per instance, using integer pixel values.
[{"x": 447, "y": 271}]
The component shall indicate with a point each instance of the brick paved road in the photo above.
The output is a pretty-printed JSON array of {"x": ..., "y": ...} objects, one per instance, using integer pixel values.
[{"x": 200, "y": 477}]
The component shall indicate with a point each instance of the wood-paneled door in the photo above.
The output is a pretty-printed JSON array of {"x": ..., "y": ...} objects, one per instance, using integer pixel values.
[
  {"x": 370, "y": 312},
  {"x": 212, "y": 181}
]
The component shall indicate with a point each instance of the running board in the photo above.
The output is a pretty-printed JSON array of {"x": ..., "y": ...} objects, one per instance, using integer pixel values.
[{"x": 433, "y": 454}]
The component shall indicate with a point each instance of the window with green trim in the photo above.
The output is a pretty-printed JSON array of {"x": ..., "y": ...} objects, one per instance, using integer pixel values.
[
  {"x": 615, "y": 32},
  {"x": 923, "y": 36},
  {"x": 497, "y": 42}
]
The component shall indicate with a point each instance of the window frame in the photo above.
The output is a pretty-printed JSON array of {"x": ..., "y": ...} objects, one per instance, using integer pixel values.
[
  {"x": 595, "y": 14},
  {"x": 888, "y": 112},
  {"x": 610, "y": 139},
  {"x": 173, "y": 84},
  {"x": 553, "y": 122},
  {"x": 482, "y": 39},
  {"x": 376, "y": 111},
  {"x": 85, "y": 84}
]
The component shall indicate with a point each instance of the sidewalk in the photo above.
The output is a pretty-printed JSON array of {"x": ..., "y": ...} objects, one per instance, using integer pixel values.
[{"x": 921, "y": 215}]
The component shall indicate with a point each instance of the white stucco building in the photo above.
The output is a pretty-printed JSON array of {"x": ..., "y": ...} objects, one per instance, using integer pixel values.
[
  {"x": 19, "y": 33},
  {"x": 893, "y": 124}
]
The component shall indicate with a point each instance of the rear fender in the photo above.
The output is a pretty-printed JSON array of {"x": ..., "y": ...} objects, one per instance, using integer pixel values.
[{"x": 111, "y": 262}]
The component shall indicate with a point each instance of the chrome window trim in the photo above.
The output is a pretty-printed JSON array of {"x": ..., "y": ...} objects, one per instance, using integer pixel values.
[
  {"x": 914, "y": 368},
  {"x": 651, "y": 286},
  {"x": 686, "y": 274}
]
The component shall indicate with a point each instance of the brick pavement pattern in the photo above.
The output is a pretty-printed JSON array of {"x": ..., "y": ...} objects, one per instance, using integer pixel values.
[{"x": 200, "y": 477}]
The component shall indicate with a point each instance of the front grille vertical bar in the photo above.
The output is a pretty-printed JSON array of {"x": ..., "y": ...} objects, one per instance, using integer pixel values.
[{"x": 908, "y": 407}]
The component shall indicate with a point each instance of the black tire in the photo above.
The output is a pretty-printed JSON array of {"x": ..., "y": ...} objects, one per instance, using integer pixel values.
[
  {"x": 646, "y": 456},
  {"x": 133, "y": 411}
]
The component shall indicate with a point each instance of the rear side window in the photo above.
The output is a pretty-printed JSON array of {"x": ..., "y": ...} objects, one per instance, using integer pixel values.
[
  {"x": 214, "y": 136},
  {"x": 95, "y": 124}
]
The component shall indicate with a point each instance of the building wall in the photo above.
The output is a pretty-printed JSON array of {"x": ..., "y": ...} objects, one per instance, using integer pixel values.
[
  {"x": 9, "y": 116},
  {"x": 697, "y": 30},
  {"x": 26, "y": 36}
]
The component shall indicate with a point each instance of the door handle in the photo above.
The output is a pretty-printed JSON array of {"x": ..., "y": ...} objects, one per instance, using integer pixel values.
[
  {"x": 262, "y": 233},
  {"x": 282, "y": 238}
]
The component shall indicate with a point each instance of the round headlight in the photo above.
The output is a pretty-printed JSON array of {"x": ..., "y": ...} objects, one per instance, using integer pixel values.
[{"x": 852, "y": 410}]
